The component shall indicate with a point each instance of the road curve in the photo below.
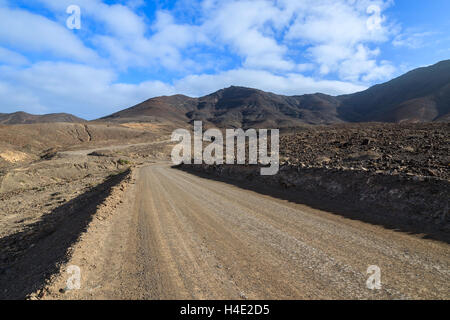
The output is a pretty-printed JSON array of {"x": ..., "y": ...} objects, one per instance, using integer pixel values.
[{"x": 186, "y": 237}]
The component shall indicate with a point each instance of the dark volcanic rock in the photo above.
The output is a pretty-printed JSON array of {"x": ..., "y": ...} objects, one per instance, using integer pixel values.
[{"x": 407, "y": 149}]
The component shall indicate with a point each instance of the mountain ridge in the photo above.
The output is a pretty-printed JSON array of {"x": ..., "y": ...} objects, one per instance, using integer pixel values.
[
  {"x": 420, "y": 95},
  {"x": 21, "y": 117}
]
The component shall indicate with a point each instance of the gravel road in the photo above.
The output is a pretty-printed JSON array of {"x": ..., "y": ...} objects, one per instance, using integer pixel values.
[{"x": 179, "y": 236}]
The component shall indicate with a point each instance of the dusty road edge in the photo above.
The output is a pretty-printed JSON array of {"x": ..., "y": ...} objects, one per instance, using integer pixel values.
[
  {"x": 56, "y": 286},
  {"x": 416, "y": 205}
]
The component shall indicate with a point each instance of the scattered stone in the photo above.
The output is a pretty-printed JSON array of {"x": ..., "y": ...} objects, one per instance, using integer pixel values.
[{"x": 379, "y": 148}]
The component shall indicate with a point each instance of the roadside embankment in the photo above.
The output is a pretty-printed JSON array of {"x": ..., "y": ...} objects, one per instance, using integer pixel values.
[
  {"x": 30, "y": 257},
  {"x": 409, "y": 203}
]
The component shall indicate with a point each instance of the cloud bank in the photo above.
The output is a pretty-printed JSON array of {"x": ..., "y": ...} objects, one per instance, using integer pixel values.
[{"x": 286, "y": 46}]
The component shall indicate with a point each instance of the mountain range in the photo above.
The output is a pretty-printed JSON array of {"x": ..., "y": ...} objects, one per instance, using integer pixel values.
[
  {"x": 26, "y": 118},
  {"x": 421, "y": 95}
]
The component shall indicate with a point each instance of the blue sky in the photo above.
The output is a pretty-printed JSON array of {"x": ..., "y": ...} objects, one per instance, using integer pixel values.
[{"x": 129, "y": 51}]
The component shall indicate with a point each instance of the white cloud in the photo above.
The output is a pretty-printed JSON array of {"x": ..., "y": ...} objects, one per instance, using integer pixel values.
[
  {"x": 126, "y": 41},
  {"x": 337, "y": 34},
  {"x": 276, "y": 42},
  {"x": 263, "y": 33},
  {"x": 30, "y": 32},
  {"x": 15, "y": 99},
  {"x": 134, "y": 4},
  {"x": 362, "y": 63},
  {"x": 247, "y": 27},
  {"x": 289, "y": 84},
  {"x": 67, "y": 87},
  {"x": 121, "y": 20},
  {"x": 93, "y": 92},
  {"x": 331, "y": 21},
  {"x": 11, "y": 57},
  {"x": 413, "y": 40}
]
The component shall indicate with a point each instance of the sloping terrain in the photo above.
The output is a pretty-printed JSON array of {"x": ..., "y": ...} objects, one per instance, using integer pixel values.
[
  {"x": 422, "y": 95},
  {"x": 235, "y": 107},
  {"x": 48, "y": 135},
  {"x": 179, "y": 236},
  {"x": 158, "y": 110},
  {"x": 245, "y": 107},
  {"x": 45, "y": 205},
  {"x": 26, "y": 118},
  {"x": 397, "y": 175},
  {"x": 38, "y": 139}
]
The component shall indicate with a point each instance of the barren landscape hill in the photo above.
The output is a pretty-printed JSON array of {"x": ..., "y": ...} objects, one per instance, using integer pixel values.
[
  {"x": 159, "y": 109},
  {"x": 22, "y": 143},
  {"x": 242, "y": 151},
  {"x": 235, "y": 107},
  {"x": 245, "y": 107},
  {"x": 26, "y": 118},
  {"x": 421, "y": 95}
]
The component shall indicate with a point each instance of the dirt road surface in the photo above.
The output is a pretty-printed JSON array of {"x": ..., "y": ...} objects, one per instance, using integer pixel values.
[{"x": 179, "y": 236}]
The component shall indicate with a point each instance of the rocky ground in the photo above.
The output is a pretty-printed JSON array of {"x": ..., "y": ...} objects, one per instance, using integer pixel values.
[
  {"x": 178, "y": 235},
  {"x": 406, "y": 149},
  {"x": 396, "y": 175},
  {"x": 38, "y": 195},
  {"x": 376, "y": 173}
]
